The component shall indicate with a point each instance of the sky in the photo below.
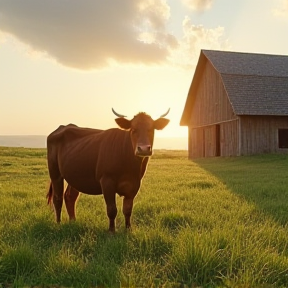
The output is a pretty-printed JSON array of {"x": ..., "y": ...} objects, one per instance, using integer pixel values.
[{"x": 71, "y": 61}]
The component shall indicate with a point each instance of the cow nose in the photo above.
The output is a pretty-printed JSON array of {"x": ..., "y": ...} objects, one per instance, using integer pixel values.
[{"x": 146, "y": 148}]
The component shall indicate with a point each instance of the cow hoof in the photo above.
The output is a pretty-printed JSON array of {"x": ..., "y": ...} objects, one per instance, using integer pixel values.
[
  {"x": 128, "y": 229},
  {"x": 111, "y": 231}
]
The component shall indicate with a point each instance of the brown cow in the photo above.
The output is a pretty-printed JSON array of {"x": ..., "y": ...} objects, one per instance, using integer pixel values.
[{"x": 101, "y": 162}]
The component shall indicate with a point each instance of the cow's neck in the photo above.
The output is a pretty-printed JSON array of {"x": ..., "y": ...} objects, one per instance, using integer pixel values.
[{"x": 143, "y": 161}]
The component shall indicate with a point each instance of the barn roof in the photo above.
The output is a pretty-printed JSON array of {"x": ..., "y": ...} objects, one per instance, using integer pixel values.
[{"x": 256, "y": 84}]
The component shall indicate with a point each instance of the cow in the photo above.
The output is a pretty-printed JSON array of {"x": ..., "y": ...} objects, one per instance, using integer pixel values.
[{"x": 96, "y": 162}]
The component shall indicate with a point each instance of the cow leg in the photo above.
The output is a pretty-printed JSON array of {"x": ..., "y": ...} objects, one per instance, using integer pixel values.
[
  {"x": 108, "y": 189},
  {"x": 111, "y": 211},
  {"x": 58, "y": 187},
  {"x": 70, "y": 197},
  {"x": 127, "y": 210}
]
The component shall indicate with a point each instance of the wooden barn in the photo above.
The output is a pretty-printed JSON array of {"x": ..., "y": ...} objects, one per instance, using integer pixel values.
[{"x": 237, "y": 104}]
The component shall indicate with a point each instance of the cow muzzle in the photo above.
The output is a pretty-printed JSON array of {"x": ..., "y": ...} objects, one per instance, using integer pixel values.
[{"x": 143, "y": 150}]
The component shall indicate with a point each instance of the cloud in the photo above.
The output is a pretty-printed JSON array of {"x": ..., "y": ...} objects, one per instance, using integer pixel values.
[
  {"x": 195, "y": 38},
  {"x": 282, "y": 11},
  {"x": 90, "y": 34},
  {"x": 198, "y": 5}
]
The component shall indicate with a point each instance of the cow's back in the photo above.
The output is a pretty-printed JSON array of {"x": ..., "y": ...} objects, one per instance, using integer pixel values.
[
  {"x": 83, "y": 155},
  {"x": 72, "y": 154}
]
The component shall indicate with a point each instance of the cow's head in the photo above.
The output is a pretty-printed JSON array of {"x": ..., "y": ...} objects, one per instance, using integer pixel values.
[{"x": 141, "y": 129}]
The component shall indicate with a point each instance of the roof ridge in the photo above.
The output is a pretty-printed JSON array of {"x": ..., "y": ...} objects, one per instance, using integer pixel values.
[
  {"x": 247, "y": 63},
  {"x": 255, "y": 75},
  {"x": 241, "y": 53}
]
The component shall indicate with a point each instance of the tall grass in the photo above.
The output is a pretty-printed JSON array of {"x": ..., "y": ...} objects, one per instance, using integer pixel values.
[{"x": 218, "y": 222}]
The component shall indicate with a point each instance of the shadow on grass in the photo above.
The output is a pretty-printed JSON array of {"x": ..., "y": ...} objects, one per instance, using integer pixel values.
[{"x": 261, "y": 179}]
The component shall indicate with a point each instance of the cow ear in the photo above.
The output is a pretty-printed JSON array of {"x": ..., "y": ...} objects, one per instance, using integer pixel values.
[
  {"x": 161, "y": 123},
  {"x": 123, "y": 123}
]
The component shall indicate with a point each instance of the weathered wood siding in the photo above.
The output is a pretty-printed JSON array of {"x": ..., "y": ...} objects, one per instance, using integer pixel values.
[
  {"x": 211, "y": 104},
  {"x": 203, "y": 140},
  {"x": 196, "y": 143},
  {"x": 229, "y": 135},
  {"x": 211, "y": 107},
  {"x": 259, "y": 134}
]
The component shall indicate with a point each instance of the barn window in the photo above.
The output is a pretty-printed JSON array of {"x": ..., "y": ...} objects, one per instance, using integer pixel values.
[{"x": 283, "y": 138}]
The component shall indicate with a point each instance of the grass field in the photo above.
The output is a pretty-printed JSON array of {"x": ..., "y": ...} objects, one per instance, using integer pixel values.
[{"x": 218, "y": 222}]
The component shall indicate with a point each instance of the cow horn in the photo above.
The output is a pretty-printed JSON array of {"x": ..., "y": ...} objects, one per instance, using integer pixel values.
[
  {"x": 118, "y": 115},
  {"x": 165, "y": 113}
]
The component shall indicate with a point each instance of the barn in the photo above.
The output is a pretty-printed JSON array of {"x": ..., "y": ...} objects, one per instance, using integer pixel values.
[{"x": 237, "y": 104}]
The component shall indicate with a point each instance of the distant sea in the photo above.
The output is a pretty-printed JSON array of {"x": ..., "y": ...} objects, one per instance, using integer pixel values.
[{"x": 39, "y": 141}]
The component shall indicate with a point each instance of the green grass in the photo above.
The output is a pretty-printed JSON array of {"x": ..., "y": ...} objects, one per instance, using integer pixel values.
[{"x": 216, "y": 222}]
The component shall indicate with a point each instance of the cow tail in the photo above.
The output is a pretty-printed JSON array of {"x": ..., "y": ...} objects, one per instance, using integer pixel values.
[{"x": 49, "y": 195}]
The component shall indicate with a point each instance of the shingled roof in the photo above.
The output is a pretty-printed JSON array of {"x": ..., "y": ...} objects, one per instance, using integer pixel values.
[{"x": 256, "y": 84}]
